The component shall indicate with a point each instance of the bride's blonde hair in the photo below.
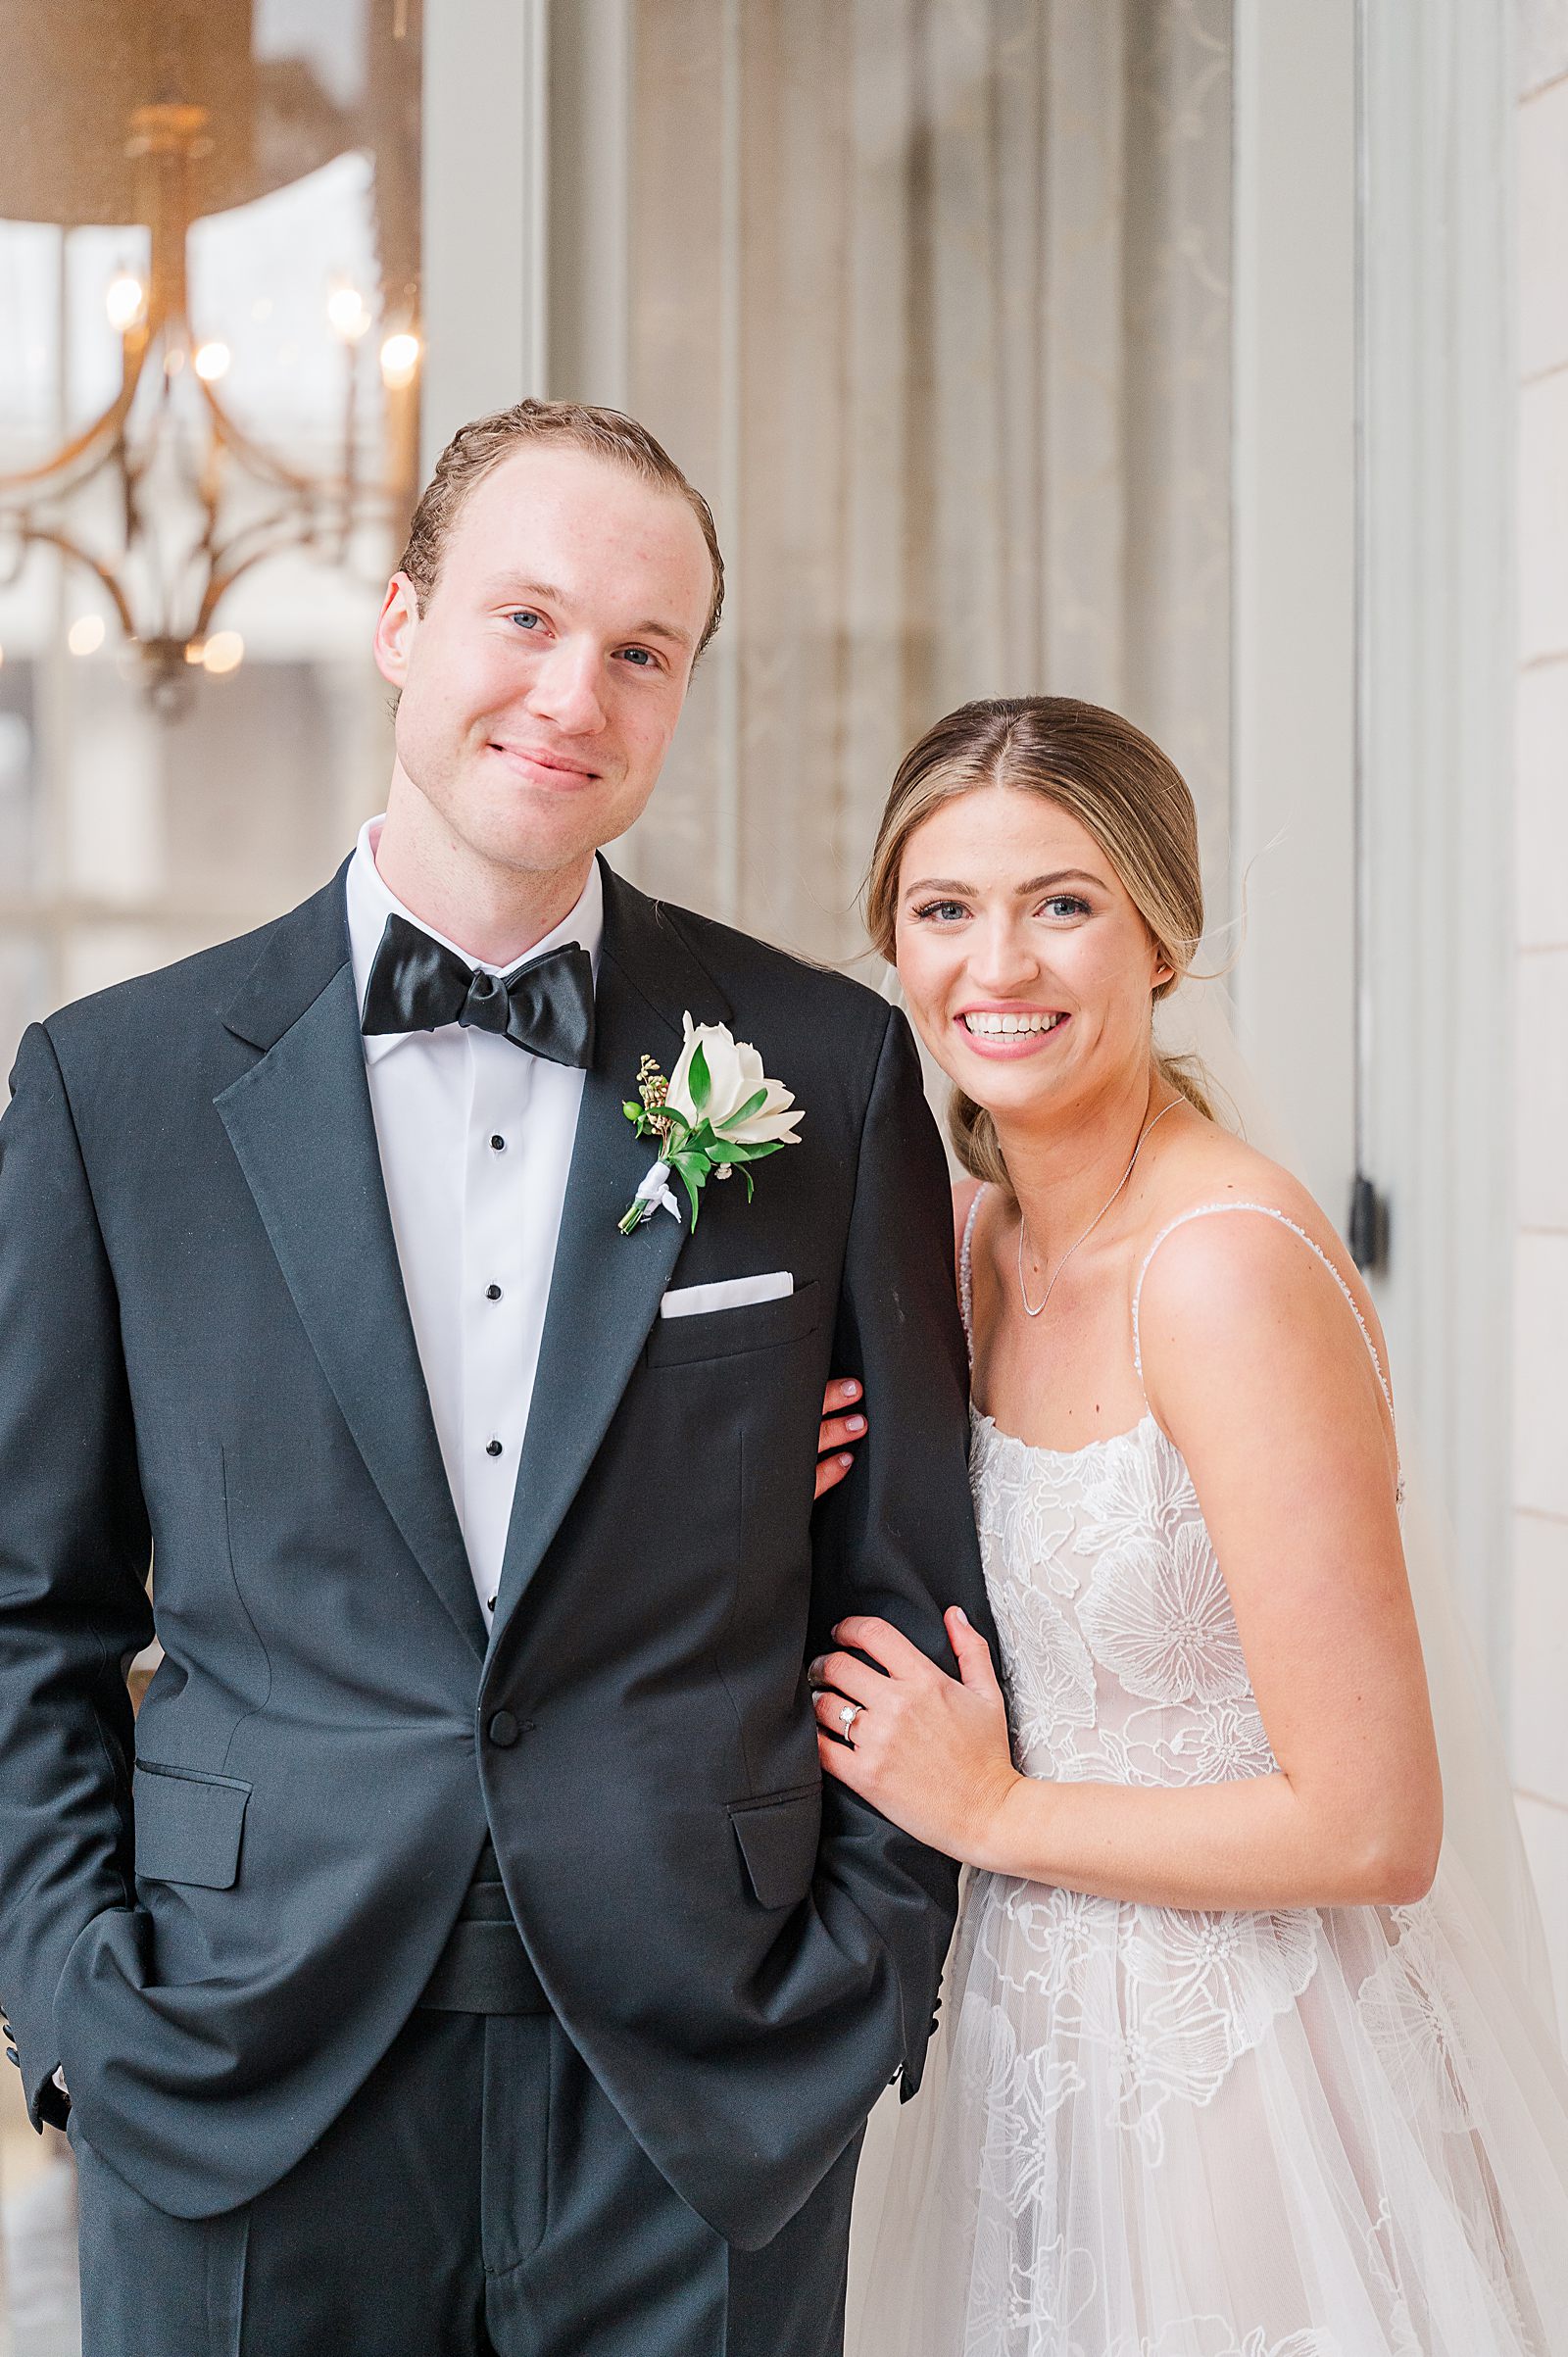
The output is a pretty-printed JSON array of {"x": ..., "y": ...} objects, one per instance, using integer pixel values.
[{"x": 1119, "y": 787}]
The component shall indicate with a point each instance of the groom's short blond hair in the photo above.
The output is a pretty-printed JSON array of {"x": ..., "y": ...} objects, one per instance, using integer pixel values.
[{"x": 481, "y": 446}]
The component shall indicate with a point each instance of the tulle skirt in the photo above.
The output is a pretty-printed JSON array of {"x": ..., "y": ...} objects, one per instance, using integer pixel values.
[{"x": 1146, "y": 2132}]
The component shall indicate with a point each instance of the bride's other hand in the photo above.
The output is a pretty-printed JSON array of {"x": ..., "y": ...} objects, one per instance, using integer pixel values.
[
  {"x": 930, "y": 1751},
  {"x": 838, "y": 1426}
]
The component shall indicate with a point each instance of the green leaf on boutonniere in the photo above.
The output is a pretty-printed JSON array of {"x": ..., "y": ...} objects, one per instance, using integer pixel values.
[
  {"x": 741, "y": 1154},
  {"x": 699, "y": 1080},
  {"x": 754, "y": 1104},
  {"x": 683, "y": 1169}
]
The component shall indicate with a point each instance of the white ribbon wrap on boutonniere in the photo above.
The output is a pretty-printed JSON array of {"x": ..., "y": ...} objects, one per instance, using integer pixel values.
[
  {"x": 717, "y": 1114},
  {"x": 653, "y": 1196}
]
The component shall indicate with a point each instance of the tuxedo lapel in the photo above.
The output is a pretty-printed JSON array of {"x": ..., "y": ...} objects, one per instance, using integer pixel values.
[
  {"x": 606, "y": 1287},
  {"x": 301, "y": 1126}
]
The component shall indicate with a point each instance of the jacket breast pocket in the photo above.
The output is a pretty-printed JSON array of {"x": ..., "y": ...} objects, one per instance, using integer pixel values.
[
  {"x": 188, "y": 1825},
  {"x": 778, "y": 1841},
  {"x": 726, "y": 1333}
]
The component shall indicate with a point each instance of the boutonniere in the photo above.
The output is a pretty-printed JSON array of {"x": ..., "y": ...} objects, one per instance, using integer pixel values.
[{"x": 715, "y": 1113}]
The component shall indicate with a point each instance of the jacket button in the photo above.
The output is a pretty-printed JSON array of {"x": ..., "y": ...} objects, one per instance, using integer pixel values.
[{"x": 504, "y": 1730}]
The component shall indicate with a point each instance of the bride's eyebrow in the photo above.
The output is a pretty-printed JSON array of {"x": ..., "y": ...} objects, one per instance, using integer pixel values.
[{"x": 1063, "y": 875}]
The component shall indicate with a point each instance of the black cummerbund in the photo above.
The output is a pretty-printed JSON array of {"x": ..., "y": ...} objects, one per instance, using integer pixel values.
[{"x": 484, "y": 1967}]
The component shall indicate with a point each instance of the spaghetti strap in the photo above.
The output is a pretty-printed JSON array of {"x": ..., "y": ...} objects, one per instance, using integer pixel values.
[
  {"x": 1269, "y": 1212},
  {"x": 966, "y": 1274}
]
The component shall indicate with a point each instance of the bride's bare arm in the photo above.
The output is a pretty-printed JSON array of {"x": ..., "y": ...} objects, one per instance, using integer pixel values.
[{"x": 1255, "y": 1370}]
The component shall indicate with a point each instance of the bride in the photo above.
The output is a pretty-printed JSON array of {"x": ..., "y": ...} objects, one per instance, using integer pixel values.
[{"x": 1230, "y": 2066}]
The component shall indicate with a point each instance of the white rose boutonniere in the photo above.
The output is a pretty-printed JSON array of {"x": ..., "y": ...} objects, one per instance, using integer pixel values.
[{"x": 718, "y": 1113}]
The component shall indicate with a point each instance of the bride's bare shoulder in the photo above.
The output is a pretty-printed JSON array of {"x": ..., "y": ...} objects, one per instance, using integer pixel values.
[
  {"x": 1205, "y": 1164},
  {"x": 1259, "y": 1260}
]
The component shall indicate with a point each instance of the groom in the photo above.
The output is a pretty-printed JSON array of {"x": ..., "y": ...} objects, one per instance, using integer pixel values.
[{"x": 462, "y": 1953}]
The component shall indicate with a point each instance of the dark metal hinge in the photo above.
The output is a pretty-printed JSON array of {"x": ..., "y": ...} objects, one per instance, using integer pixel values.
[{"x": 1370, "y": 1226}]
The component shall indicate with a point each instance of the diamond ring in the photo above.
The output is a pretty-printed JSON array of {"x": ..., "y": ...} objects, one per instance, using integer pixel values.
[{"x": 849, "y": 1715}]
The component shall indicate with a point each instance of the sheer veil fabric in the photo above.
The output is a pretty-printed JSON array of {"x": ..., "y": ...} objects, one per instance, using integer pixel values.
[{"x": 1154, "y": 2133}]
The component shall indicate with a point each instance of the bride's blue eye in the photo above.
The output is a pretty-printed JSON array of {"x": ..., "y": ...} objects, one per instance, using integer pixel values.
[
  {"x": 942, "y": 908},
  {"x": 1066, "y": 903}
]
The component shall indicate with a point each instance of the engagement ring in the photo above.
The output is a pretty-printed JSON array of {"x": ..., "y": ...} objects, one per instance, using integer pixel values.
[{"x": 849, "y": 1715}]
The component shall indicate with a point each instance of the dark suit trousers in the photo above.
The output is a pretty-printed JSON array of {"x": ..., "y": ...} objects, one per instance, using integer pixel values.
[{"x": 480, "y": 2197}]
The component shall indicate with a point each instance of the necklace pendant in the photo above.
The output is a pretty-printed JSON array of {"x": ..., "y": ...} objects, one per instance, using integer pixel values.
[{"x": 1032, "y": 1309}]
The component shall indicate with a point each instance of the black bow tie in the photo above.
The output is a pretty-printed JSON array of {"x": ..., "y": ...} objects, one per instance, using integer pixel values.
[{"x": 546, "y": 1005}]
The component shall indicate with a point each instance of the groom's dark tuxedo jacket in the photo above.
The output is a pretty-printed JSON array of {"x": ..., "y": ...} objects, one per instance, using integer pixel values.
[{"x": 218, "y": 1917}]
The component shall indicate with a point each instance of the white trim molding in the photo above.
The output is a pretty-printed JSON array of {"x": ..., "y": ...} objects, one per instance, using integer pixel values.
[
  {"x": 1437, "y": 646},
  {"x": 1373, "y": 661}
]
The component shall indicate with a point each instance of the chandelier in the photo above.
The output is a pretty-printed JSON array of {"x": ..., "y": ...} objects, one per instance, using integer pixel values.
[{"x": 165, "y": 497}]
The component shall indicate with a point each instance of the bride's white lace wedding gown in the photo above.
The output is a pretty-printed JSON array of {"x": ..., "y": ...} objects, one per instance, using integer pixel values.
[{"x": 1155, "y": 2132}]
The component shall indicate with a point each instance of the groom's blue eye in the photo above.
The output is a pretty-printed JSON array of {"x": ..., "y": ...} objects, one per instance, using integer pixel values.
[{"x": 524, "y": 619}]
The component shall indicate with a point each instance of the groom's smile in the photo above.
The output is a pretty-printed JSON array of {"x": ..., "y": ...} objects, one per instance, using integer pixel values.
[{"x": 556, "y": 771}]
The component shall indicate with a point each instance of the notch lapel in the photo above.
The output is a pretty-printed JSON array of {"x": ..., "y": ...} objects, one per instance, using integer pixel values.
[
  {"x": 606, "y": 1287},
  {"x": 302, "y": 1129}
]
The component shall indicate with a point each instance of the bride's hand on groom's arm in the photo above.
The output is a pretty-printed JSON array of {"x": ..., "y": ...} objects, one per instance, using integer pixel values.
[
  {"x": 842, "y": 1425},
  {"x": 930, "y": 1751}
]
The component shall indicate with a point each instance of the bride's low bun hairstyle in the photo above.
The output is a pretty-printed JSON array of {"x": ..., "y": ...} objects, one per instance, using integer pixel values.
[{"x": 1121, "y": 789}]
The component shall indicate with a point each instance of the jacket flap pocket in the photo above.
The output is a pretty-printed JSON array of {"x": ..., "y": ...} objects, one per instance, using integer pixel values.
[
  {"x": 778, "y": 1841},
  {"x": 724, "y": 1333},
  {"x": 188, "y": 1826}
]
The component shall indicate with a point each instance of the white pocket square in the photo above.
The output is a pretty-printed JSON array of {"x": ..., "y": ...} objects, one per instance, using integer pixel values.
[{"x": 730, "y": 1293}]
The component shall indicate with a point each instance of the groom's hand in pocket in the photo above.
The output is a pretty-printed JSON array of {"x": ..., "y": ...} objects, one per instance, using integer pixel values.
[{"x": 842, "y": 1423}]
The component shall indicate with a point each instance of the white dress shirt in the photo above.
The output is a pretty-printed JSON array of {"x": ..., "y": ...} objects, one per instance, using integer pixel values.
[{"x": 475, "y": 1137}]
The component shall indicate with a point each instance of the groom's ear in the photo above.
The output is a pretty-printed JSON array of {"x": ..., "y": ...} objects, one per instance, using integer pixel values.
[{"x": 395, "y": 629}]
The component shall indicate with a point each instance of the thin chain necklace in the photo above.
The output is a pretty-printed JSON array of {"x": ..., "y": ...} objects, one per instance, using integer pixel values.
[{"x": 1034, "y": 1310}]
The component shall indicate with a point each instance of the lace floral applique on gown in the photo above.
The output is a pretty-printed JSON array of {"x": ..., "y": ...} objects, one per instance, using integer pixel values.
[{"x": 1149, "y": 2131}]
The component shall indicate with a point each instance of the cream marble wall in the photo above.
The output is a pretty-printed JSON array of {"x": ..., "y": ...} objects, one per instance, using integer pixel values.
[{"x": 1539, "y": 1679}]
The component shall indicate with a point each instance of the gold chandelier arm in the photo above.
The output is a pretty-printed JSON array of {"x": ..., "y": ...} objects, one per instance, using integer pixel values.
[
  {"x": 34, "y": 535},
  {"x": 305, "y": 486},
  {"x": 228, "y": 568},
  {"x": 105, "y": 428},
  {"x": 259, "y": 459}
]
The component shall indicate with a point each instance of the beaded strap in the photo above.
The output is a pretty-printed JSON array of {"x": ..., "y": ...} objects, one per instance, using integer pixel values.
[
  {"x": 966, "y": 1274},
  {"x": 1269, "y": 1212}
]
